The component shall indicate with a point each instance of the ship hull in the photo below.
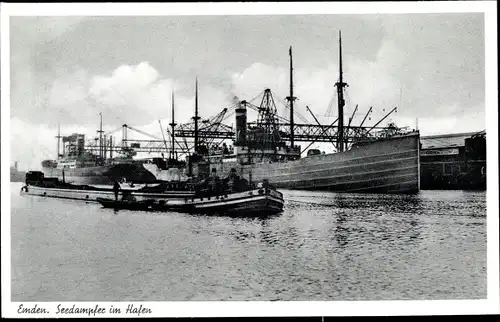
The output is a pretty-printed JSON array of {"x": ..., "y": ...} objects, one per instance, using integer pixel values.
[
  {"x": 101, "y": 174},
  {"x": 261, "y": 202},
  {"x": 389, "y": 165}
]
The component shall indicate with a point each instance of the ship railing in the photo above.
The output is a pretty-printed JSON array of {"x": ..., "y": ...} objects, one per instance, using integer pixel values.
[{"x": 388, "y": 133}]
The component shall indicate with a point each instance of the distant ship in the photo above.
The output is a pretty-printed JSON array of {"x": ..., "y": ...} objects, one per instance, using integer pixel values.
[
  {"x": 380, "y": 161},
  {"x": 73, "y": 171},
  {"x": 16, "y": 175},
  {"x": 86, "y": 163},
  {"x": 78, "y": 165}
]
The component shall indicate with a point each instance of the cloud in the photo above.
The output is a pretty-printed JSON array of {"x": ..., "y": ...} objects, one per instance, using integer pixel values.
[
  {"x": 131, "y": 94},
  {"x": 450, "y": 123},
  {"x": 68, "y": 90},
  {"x": 371, "y": 83},
  {"x": 312, "y": 86},
  {"x": 42, "y": 29},
  {"x": 31, "y": 144},
  {"x": 136, "y": 95}
]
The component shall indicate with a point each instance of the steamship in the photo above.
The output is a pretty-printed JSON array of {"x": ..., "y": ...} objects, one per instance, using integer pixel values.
[
  {"x": 367, "y": 159},
  {"x": 79, "y": 165}
]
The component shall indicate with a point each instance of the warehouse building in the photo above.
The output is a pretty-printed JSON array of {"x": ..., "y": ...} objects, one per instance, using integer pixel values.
[{"x": 453, "y": 161}]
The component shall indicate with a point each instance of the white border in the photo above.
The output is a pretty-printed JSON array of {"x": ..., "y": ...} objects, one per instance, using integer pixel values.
[
  {"x": 245, "y": 8},
  {"x": 491, "y": 104},
  {"x": 5, "y": 155},
  {"x": 231, "y": 309}
]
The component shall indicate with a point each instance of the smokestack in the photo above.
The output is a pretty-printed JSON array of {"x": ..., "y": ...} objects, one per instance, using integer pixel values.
[
  {"x": 241, "y": 125},
  {"x": 15, "y": 165}
]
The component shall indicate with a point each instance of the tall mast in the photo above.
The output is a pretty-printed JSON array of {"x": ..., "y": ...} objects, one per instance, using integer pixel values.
[
  {"x": 111, "y": 147},
  {"x": 291, "y": 98},
  {"x": 100, "y": 137},
  {"x": 58, "y": 139},
  {"x": 196, "y": 117},
  {"x": 104, "y": 146},
  {"x": 173, "y": 124},
  {"x": 341, "y": 102}
]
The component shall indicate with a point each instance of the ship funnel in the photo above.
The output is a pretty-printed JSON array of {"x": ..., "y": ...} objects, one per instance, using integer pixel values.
[{"x": 241, "y": 125}]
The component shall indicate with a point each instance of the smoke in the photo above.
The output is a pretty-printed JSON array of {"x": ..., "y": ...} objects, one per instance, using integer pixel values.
[{"x": 234, "y": 99}]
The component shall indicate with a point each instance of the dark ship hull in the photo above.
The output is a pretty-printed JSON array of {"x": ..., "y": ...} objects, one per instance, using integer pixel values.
[
  {"x": 389, "y": 165},
  {"x": 104, "y": 175}
]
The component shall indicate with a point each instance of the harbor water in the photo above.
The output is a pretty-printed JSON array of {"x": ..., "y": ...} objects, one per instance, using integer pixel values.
[{"x": 324, "y": 246}]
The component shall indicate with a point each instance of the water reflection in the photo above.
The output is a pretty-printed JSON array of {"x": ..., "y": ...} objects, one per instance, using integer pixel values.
[
  {"x": 393, "y": 219},
  {"x": 414, "y": 231},
  {"x": 267, "y": 234},
  {"x": 386, "y": 202},
  {"x": 341, "y": 231}
]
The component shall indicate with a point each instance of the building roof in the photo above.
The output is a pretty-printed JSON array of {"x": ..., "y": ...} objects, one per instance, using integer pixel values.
[{"x": 445, "y": 140}]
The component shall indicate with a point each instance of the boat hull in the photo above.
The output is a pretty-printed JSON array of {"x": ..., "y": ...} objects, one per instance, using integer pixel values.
[
  {"x": 260, "y": 202},
  {"x": 128, "y": 205},
  {"x": 390, "y": 165},
  {"x": 94, "y": 194},
  {"x": 101, "y": 174}
]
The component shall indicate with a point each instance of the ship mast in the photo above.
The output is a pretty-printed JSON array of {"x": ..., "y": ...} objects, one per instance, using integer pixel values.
[
  {"x": 341, "y": 102},
  {"x": 173, "y": 124},
  {"x": 58, "y": 139},
  {"x": 196, "y": 117},
  {"x": 100, "y": 137},
  {"x": 291, "y": 98},
  {"x": 111, "y": 147}
]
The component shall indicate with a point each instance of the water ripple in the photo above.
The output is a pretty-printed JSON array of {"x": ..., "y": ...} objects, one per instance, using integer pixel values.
[{"x": 324, "y": 246}]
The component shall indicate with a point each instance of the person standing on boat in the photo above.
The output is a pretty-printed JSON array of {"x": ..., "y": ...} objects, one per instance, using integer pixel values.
[
  {"x": 233, "y": 179},
  {"x": 214, "y": 182},
  {"x": 116, "y": 189}
]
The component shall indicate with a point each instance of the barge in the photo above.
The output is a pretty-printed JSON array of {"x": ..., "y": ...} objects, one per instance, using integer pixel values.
[{"x": 38, "y": 185}]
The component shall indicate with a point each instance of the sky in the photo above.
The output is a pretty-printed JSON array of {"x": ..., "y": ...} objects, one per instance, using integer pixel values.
[{"x": 67, "y": 70}]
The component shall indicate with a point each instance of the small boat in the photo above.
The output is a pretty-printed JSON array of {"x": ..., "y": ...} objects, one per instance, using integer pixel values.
[
  {"x": 126, "y": 204},
  {"x": 255, "y": 202}
]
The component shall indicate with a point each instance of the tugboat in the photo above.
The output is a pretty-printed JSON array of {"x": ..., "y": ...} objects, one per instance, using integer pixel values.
[{"x": 233, "y": 195}]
